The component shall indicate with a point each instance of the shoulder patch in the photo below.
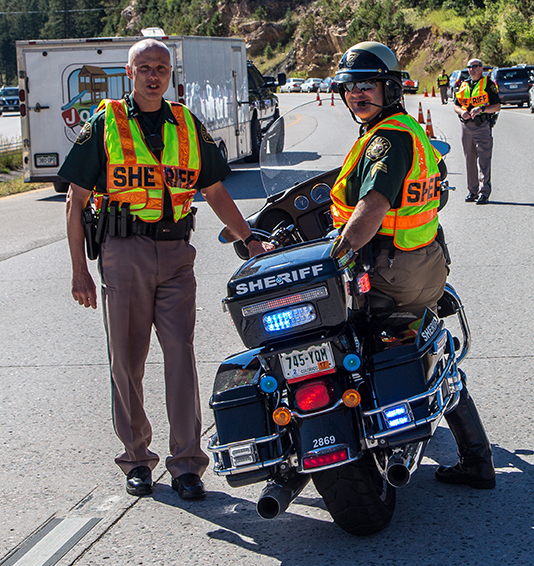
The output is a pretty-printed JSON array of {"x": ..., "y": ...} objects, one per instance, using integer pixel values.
[
  {"x": 494, "y": 87},
  {"x": 85, "y": 133},
  {"x": 377, "y": 148},
  {"x": 205, "y": 135}
]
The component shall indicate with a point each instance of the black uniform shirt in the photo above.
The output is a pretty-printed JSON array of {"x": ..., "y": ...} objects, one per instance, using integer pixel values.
[
  {"x": 86, "y": 163},
  {"x": 386, "y": 161}
]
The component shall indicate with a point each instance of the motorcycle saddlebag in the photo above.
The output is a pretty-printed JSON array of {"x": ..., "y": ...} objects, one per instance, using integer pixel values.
[
  {"x": 240, "y": 411},
  {"x": 407, "y": 371}
]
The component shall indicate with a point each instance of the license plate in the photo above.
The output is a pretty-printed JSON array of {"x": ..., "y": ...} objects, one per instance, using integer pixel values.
[
  {"x": 317, "y": 359},
  {"x": 513, "y": 85}
]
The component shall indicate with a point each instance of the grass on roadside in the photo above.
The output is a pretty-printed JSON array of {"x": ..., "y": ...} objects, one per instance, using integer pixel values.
[
  {"x": 17, "y": 185},
  {"x": 12, "y": 161}
]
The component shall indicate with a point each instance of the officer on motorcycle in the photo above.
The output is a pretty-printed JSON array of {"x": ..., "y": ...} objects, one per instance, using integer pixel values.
[{"x": 387, "y": 194}]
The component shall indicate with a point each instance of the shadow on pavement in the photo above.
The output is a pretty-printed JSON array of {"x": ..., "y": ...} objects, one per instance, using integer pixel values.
[{"x": 433, "y": 523}]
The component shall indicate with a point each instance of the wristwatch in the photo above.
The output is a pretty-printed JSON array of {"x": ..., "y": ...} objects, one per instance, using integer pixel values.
[{"x": 251, "y": 238}]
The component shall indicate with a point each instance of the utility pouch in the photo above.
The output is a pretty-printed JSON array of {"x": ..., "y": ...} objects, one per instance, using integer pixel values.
[
  {"x": 125, "y": 230},
  {"x": 113, "y": 218},
  {"x": 102, "y": 223},
  {"x": 89, "y": 227}
]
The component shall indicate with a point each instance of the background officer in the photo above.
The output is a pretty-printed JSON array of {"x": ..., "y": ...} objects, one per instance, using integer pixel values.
[
  {"x": 375, "y": 200},
  {"x": 145, "y": 157},
  {"x": 476, "y": 102},
  {"x": 443, "y": 85}
]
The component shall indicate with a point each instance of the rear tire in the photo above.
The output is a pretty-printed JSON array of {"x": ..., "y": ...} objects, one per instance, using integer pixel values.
[{"x": 359, "y": 500}]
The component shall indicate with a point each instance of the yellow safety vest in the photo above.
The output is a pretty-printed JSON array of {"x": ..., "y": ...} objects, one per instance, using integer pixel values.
[
  {"x": 443, "y": 80},
  {"x": 415, "y": 224},
  {"x": 472, "y": 99},
  {"x": 134, "y": 175}
]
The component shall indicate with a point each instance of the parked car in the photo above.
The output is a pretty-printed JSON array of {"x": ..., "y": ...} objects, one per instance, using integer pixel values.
[
  {"x": 514, "y": 84},
  {"x": 9, "y": 99},
  {"x": 311, "y": 85},
  {"x": 328, "y": 85},
  {"x": 408, "y": 84},
  {"x": 292, "y": 85}
]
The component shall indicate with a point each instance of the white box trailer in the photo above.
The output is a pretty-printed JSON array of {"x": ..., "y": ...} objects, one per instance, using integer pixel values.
[{"x": 62, "y": 82}]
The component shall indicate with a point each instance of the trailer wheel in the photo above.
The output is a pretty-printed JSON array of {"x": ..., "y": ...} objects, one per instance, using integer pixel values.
[
  {"x": 359, "y": 500},
  {"x": 255, "y": 139},
  {"x": 61, "y": 186},
  {"x": 224, "y": 151}
]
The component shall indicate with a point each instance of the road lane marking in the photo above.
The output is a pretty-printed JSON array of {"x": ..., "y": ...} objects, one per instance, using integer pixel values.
[{"x": 50, "y": 543}]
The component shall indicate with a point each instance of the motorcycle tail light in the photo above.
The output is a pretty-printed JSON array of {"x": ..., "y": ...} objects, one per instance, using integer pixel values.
[
  {"x": 327, "y": 459},
  {"x": 314, "y": 395},
  {"x": 289, "y": 318}
]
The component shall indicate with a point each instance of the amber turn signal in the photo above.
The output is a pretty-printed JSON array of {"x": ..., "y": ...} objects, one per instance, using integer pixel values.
[
  {"x": 282, "y": 416},
  {"x": 351, "y": 398}
]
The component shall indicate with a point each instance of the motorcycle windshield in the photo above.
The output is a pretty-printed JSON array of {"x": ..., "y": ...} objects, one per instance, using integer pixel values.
[{"x": 304, "y": 142}]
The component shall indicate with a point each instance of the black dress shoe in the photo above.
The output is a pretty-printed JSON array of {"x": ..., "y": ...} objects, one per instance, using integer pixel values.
[
  {"x": 471, "y": 197},
  {"x": 189, "y": 486},
  {"x": 480, "y": 475},
  {"x": 139, "y": 481},
  {"x": 482, "y": 199}
]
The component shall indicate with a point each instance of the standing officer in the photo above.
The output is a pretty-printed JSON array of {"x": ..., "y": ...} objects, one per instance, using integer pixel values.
[
  {"x": 476, "y": 102},
  {"x": 375, "y": 201},
  {"x": 443, "y": 85},
  {"x": 144, "y": 158}
]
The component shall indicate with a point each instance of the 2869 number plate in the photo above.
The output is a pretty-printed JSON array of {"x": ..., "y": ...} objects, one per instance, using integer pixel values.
[{"x": 315, "y": 359}]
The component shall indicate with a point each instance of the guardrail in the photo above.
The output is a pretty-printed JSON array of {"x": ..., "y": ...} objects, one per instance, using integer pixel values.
[{"x": 10, "y": 147}]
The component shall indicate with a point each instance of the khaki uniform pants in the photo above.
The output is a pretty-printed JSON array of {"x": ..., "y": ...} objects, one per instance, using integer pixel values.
[
  {"x": 416, "y": 279},
  {"x": 477, "y": 142},
  {"x": 144, "y": 283},
  {"x": 443, "y": 92}
]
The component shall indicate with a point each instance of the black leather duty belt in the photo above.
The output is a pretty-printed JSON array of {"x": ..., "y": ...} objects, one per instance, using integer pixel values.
[{"x": 165, "y": 229}]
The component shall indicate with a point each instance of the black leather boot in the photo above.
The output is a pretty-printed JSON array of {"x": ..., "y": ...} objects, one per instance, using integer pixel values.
[{"x": 475, "y": 465}]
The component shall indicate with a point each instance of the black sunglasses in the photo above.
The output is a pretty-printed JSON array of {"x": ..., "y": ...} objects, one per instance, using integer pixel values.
[
  {"x": 473, "y": 66},
  {"x": 360, "y": 85}
]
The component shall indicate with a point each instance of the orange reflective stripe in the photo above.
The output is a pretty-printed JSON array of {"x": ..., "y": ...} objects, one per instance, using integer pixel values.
[
  {"x": 183, "y": 136},
  {"x": 125, "y": 134},
  {"x": 139, "y": 196},
  {"x": 411, "y": 221}
]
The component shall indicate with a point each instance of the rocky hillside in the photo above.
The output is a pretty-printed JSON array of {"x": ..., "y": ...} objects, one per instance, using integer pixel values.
[{"x": 308, "y": 38}]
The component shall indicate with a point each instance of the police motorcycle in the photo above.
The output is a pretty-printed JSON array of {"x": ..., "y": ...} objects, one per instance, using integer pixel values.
[{"x": 329, "y": 387}]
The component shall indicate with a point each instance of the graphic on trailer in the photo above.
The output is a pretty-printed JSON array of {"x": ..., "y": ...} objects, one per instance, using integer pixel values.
[{"x": 86, "y": 88}]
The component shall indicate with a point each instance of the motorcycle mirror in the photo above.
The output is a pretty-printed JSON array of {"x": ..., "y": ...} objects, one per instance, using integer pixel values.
[{"x": 442, "y": 146}]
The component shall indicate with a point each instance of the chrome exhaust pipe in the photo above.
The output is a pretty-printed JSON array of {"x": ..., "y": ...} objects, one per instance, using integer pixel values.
[
  {"x": 277, "y": 495},
  {"x": 402, "y": 465},
  {"x": 397, "y": 472}
]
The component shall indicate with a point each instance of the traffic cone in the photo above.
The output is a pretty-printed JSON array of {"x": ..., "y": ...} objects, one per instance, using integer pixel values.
[
  {"x": 319, "y": 99},
  {"x": 426, "y": 93},
  {"x": 433, "y": 92},
  {"x": 429, "y": 128},
  {"x": 332, "y": 103},
  {"x": 420, "y": 117}
]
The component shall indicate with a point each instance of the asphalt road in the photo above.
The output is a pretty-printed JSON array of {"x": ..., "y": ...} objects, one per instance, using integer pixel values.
[{"x": 57, "y": 441}]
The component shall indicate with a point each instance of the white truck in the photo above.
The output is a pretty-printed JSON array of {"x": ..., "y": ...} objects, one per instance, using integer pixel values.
[{"x": 61, "y": 83}]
